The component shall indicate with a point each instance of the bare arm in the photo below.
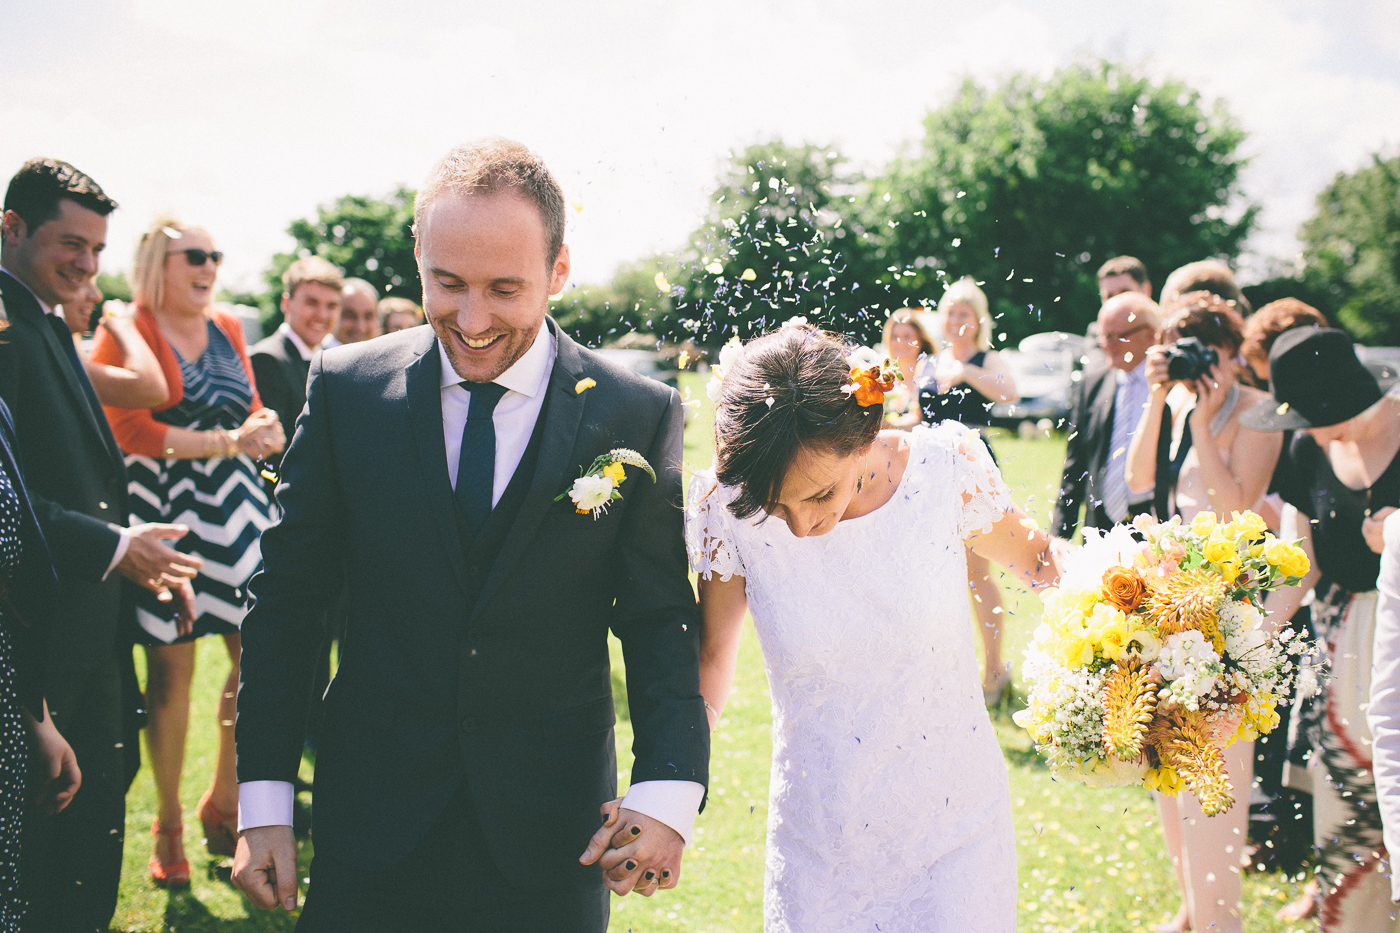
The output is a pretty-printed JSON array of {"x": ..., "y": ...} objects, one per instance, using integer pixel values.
[
  {"x": 138, "y": 382},
  {"x": 993, "y": 379},
  {"x": 259, "y": 436},
  {"x": 723, "y": 605},
  {"x": 1253, "y": 455},
  {"x": 1017, "y": 543}
]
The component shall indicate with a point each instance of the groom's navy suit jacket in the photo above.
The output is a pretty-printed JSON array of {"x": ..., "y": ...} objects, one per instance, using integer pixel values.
[{"x": 471, "y": 658}]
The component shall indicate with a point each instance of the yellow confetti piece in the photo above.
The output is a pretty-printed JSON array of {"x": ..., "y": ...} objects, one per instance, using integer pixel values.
[
  {"x": 583, "y": 385},
  {"x": 1282, "y": 409},
  {"x": 714, "y": 268},
  {"x": 577, "y": 206},
  {"x": 749, "y": 275},
  {"x": 684, "y": 359},
  {"x": 661, "y": 283}
]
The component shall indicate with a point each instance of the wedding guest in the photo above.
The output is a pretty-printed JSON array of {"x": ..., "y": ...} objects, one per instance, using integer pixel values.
[
  {"x": 137, "y": 382},
  {"x": 909, "y": 342},
  {"x": 961, "y": 383},
  {"x": 396, "y": 314},
  {"x": 1105, "y": 408},
  {"x": 1383, "y": 715},
  {"x": 29, "y": 742},
  {"x": 1123, "y": 274},
  {"x": 359, "y": 314},
  {"x": 311, "y": 296},
  {"x": 191, "y": 460},
  {"x": 1263, "y": 327},
  {"x": 1206, "y": 275},
  {"x": 1345, "y": 477},
  {"x": 1222, "y": 467},
  {"x": 54, "y": 230}
]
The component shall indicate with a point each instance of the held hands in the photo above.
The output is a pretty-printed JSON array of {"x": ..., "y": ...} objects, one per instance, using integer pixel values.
[
  {"x": 265, "y": 867},
  {"x": 636, "y": 852},
  {"x": 261, "y": 435},
  {"x": 1373, "y": 528}
]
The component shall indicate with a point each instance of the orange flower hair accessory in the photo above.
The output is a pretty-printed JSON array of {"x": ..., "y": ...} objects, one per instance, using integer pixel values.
[{"x": 871, "y": 376}]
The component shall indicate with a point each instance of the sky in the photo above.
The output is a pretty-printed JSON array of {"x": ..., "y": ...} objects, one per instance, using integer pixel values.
[{"x": 242, "y": 116}]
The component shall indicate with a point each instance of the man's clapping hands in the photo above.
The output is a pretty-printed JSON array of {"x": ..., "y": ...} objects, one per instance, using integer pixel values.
[{"x": 636, "y": 852}]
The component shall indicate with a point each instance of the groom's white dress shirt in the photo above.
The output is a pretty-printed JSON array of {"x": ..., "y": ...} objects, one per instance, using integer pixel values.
[{"x": 675, "y": 803}]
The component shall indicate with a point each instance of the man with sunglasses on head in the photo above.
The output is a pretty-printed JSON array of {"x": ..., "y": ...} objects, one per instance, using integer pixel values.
[
  {"x": 1106, "y": 407},
  {"x": 54, "y": 229},
  {"x": 311, "y": 296}
]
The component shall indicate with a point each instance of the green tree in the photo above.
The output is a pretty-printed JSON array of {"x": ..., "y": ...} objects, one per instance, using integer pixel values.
[
  {"x": 1352, "y": 250},
  {"x": 1031, "y": 185},
  {"x": 368, "y": 238},
  {"x": 114, "y": 286},
  {"x": 776, "y": 245},
  {"x": 637, "y": 300}
]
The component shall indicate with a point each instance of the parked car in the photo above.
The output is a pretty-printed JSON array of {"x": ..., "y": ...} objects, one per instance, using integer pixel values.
[
  {"x": 1045, "y": 367},
  {"x": 644, "y": 363}
]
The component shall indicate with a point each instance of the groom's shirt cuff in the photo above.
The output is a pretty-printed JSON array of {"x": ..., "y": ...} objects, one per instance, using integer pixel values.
[
  {"x": 674, "y": 803},
  {"x": 265, "y": 803}
]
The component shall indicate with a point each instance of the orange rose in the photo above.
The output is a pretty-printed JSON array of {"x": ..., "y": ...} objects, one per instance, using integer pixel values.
[
  {"x": 869, "y": 387},
  {"x": 1124, "y": 588}
]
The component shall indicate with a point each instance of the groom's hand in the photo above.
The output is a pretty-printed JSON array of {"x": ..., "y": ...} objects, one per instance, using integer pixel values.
[
  {"x": 265, "y": 866},
  {"x": 636, "y": 852}
]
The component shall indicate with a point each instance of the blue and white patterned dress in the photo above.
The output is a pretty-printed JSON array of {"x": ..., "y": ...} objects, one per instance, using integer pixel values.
[{"x": 222, "y": 500}]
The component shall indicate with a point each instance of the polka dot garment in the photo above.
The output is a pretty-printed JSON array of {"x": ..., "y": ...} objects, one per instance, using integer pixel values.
[{"x": 13, "y": 749}]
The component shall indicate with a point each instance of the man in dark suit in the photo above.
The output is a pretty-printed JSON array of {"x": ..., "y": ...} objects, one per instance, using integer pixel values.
[
  {"x": 467, "y": 744},
  {"x": 1106, "y": 407},
  {"x": 311, "y": 295},
  {"x": 54, "y": 228}
]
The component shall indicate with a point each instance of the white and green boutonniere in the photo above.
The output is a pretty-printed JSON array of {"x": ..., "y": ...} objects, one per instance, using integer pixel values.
[{"x": 597, "y": 486}]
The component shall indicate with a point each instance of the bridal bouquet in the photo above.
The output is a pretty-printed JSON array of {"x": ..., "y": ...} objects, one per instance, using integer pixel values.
[{"x": 1153, "y": 655}]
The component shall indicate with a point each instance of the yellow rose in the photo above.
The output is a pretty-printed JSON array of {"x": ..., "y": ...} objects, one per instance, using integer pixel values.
[
  {"x": 1252, "y": 524},
  {"x": 1113, "y": 634},
  {"x": 1164, "y": 780},
  {"x": 615, "y": 472},
  {"x": 1295, "y": 562},
  {"x": 1275, "y": 550},
  {"x": 1204, "y": 523},
  {"x": 1220, "y": 552}
]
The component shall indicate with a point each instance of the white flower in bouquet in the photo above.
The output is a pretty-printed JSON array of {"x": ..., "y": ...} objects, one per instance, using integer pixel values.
[
  {"x": 1101, "y": 551},
  {"x": 1190, "y": 667},
  {"x": 1110, "y": 772},
  {"x": 863, "y": 358},
  {"x": 728, "y": 355}
]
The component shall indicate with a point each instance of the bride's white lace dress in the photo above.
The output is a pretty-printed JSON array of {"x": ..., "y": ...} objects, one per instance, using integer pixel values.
[{"x": 889, "y": 805}]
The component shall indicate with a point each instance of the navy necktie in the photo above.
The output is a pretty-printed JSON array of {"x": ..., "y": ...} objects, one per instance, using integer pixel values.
[{"x": 476, "y": 466}]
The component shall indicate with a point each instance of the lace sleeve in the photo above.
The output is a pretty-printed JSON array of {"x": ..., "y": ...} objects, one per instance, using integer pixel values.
[
  {"x": 985, "y": 496},
  {"x": 707, "y": 530}
]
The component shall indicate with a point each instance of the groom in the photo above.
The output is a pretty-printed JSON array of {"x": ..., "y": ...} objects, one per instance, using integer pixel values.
[{"x": 467, "y": 744}]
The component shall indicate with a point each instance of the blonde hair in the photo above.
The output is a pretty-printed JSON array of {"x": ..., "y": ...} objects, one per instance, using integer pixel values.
[
  {"x": 965, "y": 291},
  {"x": 148, "y": 274},
  {"x": 916, "y": 318}
]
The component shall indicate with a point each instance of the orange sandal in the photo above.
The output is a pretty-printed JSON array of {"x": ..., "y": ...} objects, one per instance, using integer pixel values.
[
  {"x": 220, "y": 829},
  {"x": 169, "y": 874}
]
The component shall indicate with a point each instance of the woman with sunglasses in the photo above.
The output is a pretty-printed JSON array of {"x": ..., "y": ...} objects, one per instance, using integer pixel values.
[{"x": 191, "y": 461}]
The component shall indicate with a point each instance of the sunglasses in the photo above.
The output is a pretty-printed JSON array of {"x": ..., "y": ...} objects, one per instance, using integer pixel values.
[{"x": 198, "y": 257}]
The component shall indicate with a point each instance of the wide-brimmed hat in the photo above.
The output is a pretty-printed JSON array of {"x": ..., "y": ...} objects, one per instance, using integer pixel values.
[{"x": 1316, "y": 380}]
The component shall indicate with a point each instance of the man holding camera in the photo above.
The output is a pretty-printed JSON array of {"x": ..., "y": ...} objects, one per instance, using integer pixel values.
[{"x": 1107, "y": 405}]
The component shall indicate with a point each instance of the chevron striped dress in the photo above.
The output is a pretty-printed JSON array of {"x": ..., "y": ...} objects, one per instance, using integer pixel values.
[{"x": 222, "y": 500}]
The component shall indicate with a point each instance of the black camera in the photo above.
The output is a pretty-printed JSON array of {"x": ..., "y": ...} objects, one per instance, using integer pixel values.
[{"x": 1188, "y": 360}]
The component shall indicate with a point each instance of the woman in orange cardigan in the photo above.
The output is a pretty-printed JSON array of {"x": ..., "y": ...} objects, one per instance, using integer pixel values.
[{"x": 191, "y": 461}]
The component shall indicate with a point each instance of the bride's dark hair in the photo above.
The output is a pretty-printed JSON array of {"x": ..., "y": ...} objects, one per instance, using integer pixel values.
[{"x": 784, "y": 395}]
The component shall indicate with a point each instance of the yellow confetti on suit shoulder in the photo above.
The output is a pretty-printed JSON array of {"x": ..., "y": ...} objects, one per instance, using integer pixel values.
[{"x": 583, "y": 385}]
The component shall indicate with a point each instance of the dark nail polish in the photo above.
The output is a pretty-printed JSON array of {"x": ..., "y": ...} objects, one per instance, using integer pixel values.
[
  {"x": 650, "y": 876},
  {"x": 666, "y": 874},
  {"x": 636, "y": 830},
  {"x": 631, "y": 864}
]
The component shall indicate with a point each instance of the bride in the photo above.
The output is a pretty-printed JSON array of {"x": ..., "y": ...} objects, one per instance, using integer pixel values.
[{"x": 889, "y": 803}]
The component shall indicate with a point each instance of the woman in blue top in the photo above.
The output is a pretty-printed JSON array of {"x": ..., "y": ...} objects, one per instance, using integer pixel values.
[{"x": 965, "y": 380}]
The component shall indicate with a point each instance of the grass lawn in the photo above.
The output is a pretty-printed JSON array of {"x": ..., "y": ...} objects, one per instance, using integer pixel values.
[{"x": 1090, "y": 859}]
